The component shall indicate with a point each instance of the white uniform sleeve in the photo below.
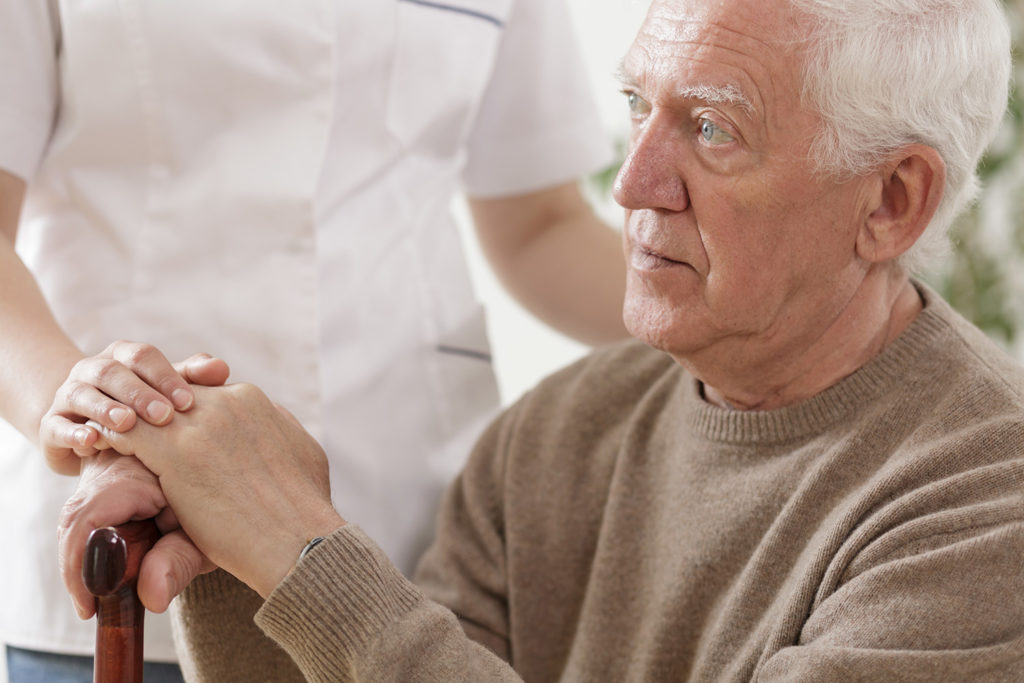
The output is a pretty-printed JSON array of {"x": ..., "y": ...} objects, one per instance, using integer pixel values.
[
  {"x": 29, "y": 43},
  {"x": 538, "y": 124}
]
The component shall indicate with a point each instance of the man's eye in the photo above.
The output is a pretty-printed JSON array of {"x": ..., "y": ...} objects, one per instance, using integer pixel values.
[
  {"x": 713, "y": 133},
  {"x": 637, "y": 104}
]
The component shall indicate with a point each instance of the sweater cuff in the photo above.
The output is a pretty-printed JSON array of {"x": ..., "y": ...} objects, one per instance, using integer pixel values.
[
  {"x": 338, "y": 599},
  {"x": 217, "y": 639}
]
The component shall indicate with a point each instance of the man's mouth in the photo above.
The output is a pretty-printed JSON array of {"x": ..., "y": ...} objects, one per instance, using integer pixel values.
[{"x": 643, "y": 258}]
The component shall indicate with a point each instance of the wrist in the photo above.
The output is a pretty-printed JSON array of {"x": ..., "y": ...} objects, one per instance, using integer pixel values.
[
  {"x": 288, "y": 553},
  {"x": 313, "y": 542}
]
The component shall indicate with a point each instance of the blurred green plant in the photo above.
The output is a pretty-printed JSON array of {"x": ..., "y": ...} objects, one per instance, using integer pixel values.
[{"x": 984, "y": 276}]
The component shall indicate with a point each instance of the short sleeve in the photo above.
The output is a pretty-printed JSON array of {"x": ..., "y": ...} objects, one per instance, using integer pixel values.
[
  {"x": 29, "y": 44},
  {"x": 538, "y": 124}
]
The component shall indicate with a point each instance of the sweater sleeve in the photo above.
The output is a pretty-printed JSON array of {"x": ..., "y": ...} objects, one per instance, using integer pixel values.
[
  {"x": 217, "y": 639},
  {"x": 346, "y": 613},
  {"x": 949, "y": 606}
]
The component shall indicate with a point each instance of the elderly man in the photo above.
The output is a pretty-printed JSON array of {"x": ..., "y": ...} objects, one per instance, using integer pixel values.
[{"x": 810, "y": 469}]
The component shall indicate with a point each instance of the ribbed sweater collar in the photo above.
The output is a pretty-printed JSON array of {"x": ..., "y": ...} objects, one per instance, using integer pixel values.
[{"x": 841, "y": 402}]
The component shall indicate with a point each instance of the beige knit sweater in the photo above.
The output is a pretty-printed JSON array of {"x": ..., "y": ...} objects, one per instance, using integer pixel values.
[{"x": 612, "y": 526}]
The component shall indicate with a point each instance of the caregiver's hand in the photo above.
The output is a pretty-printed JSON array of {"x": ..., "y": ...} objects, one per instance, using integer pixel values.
[
  {"x": 112, "y": 490},
  {"x": 248, "y": 484},
  {"x": 126, "y": 380}
]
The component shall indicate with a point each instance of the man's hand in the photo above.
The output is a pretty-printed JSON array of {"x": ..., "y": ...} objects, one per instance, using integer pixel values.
[
  {"x": 126, "y": 380},
  {"x": 248, "y": 484},
  {"x": 112, "y": 490}
]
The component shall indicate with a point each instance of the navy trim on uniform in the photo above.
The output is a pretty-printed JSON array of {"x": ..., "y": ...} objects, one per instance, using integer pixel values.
[
  {"x": 455, "y": 350},
  {"x": 461, "y": 10}
]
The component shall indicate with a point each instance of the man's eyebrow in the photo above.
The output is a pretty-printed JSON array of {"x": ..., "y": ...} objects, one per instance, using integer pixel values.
[
  {"x": 712, "y": 94},
  {"x": 622, "y": 76},
  {"x": 717, "y": 94}
]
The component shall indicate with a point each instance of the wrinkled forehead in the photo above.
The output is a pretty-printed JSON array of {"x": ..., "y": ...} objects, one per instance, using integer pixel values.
[
  {"x": 753, "y": 47},
  {"x": 767, "y": 23}
]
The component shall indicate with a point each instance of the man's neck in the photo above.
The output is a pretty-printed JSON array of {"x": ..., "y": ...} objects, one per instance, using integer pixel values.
[{"x": 875, "y": 317}]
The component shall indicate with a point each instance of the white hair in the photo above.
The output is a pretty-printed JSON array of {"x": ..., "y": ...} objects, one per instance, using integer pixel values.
[
  {"x": 887, "y": 73},
  {"x": 717, "y": 94}
]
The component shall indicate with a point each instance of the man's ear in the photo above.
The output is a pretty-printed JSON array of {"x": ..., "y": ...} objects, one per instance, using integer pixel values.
[{"x": 912, "y": 185}]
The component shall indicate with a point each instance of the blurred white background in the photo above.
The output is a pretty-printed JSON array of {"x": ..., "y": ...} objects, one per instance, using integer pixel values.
[{"x": 526, "y": 350}]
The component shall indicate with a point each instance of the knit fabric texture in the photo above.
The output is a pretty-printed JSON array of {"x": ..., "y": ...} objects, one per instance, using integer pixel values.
[{"x": 614, "y": 526}]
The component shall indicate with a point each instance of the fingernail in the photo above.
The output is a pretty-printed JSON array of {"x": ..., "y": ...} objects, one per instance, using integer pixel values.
[
  {"x": 182, "y": 399},
  {"x": 119, "y": 415},
  {"x": 158, "y": 411},
  {"x": 81, "y": 436}
]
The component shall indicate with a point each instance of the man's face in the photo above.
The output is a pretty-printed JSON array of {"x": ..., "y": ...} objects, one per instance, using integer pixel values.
[{"x": 733, "y": 245}]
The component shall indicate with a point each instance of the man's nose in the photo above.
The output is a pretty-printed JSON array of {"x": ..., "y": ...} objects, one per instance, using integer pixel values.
[{"x": 651, "y": 176}]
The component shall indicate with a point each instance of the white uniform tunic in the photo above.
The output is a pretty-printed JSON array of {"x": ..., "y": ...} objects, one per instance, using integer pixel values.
[{"x": 269, "y": 182}]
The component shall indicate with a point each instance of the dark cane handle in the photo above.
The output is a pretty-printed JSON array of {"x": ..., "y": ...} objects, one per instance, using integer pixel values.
[{"x": 110, "y": 572}]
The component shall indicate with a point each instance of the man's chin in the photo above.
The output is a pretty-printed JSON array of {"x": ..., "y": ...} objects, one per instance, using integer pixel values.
[
  {"x": 657, "y": 326},
  {"x": 677, "y": 322}
]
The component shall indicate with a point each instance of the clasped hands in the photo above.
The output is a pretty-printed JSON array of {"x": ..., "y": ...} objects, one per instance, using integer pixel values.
[{"x": 232, "y": 479}]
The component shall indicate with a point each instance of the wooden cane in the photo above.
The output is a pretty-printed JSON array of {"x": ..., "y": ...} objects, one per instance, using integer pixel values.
[{"x": 110, "y": 572}]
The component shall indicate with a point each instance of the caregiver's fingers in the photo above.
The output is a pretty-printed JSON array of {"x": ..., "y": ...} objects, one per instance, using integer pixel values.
[
  {"x": 109, "y": 393},
  {"x": 63, "y": 438},
  {"x": 160, "y": 380},
  {"x": 202, "y": 368},
  {"x": 60, "y": 436},
  {"x": 64, "y": 441}
]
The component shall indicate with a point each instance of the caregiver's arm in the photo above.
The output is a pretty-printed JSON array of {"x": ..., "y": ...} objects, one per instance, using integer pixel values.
[
  {"x": 37, "y": 354},
  {"x": 557, "y": 258}
]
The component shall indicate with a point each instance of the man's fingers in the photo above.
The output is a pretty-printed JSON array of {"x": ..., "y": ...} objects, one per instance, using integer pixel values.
[
  {"x": 71, "y": 556},
  {"x": 115, "y": 441},
  {"x": 167, "y": 521},
  {"x": 204, "y": 369},
  {"x": 140, "y": 442},
  {"x": 96, "y": 504},
  {"x": 168, "y": 568}
]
